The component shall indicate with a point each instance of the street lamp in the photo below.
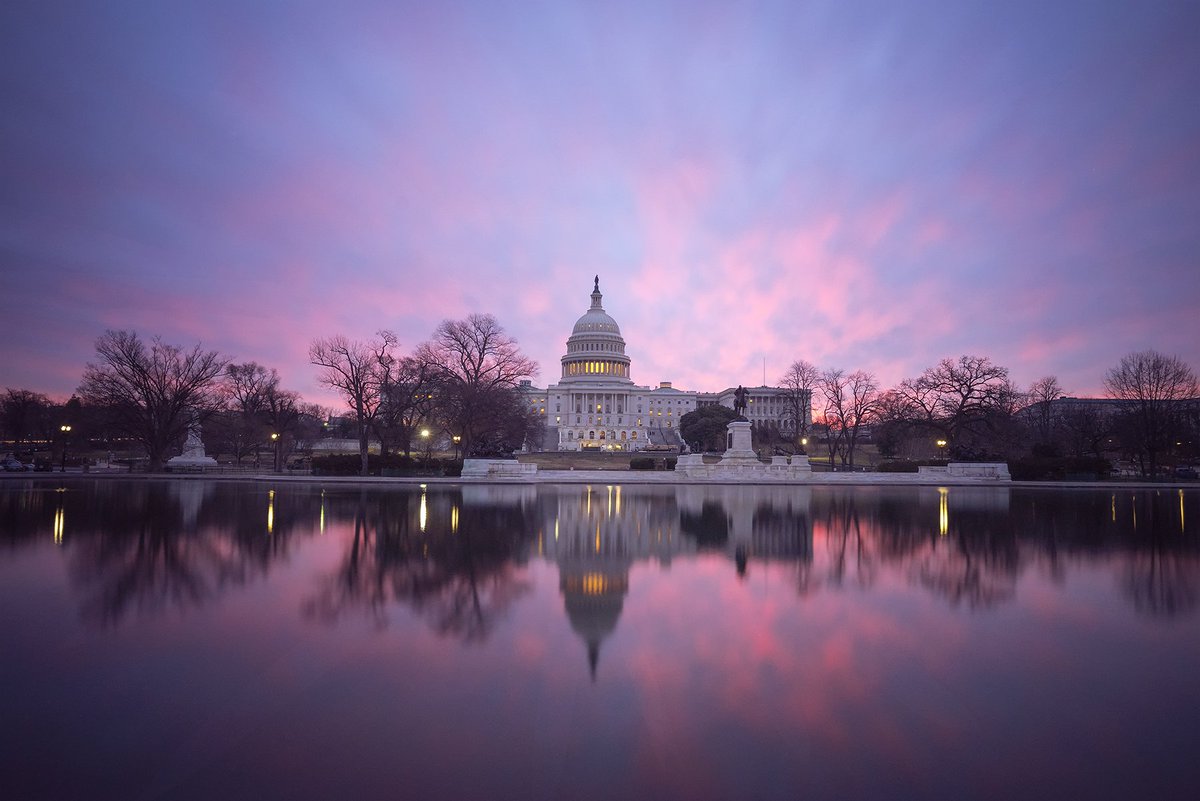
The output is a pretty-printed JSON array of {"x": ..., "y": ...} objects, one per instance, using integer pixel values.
[
  {"x": 66, "y": 431},
  {"x": 425, "y": 436},
  {"x": 275, "y": 444},
  {"x": 941, "y": 443},
  {"x": 457, "y": 439}
]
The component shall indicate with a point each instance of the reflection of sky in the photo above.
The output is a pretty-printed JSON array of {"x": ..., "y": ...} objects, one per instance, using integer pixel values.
[
  {"x": 885, "y": 184},
  {"x": 801, "y": 678}
]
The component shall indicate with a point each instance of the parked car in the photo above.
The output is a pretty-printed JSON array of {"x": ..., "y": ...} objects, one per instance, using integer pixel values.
[
  {"x": 12, "y": 465},
  {"x": 1186, "y": 472}
]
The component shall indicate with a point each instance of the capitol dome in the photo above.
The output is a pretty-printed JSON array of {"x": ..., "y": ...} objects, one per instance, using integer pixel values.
[{"x": 596, "y": 349}]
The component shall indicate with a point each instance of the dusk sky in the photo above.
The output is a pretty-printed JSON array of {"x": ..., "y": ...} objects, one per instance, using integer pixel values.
[{"x": 863, "y": 185}]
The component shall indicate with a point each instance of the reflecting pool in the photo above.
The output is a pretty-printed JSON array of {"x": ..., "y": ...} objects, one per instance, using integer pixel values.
[{"x": 224, "y": 640}]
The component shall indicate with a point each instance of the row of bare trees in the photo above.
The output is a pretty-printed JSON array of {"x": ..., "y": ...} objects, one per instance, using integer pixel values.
[
  {"x": 463, "y": 381},
  {"x": 971, "y": 408}
]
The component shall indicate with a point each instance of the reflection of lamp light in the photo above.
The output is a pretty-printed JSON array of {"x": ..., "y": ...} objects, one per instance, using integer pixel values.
[{"x": 943, "y": 510}]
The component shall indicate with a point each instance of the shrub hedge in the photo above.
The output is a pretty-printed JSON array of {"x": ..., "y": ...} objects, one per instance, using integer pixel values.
[
  {"x": 1058, "y": 468},
  {"x": 390, "y": 465}
]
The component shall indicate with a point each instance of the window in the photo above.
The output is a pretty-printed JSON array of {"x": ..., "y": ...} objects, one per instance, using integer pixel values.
[
  {"x": 633, "y": 435},
  {"x": 591, "y": 435}
]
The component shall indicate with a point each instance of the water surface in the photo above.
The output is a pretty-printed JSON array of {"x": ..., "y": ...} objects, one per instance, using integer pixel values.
[{"x": 191, "y": 639}]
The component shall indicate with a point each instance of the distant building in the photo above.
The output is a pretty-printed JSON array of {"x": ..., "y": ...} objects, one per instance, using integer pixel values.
[{"x": 596, "y": 406}]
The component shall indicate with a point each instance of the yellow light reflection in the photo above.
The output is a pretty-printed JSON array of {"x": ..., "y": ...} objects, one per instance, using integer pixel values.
[
  {"x": 453, "y": 519},
  {"x": 270, "y": 511},
  {"x": 943, "y": 510},
  {"x": 1181, "y": 511},
  {"x": 424, "y": 512},
  {"x": 589, "y": 500},
  {"x": 58, "y": 526},
  {"x": 556, "y": 529},
  {"x": 610, "y": 494},
  {"x": 618, "y": 501},
  {"x": 1135, "y": 513},
  {"x": 597, "y": 536},
  {"x": 1114, "y": 507},
  {"x": 322, "y": 511}
]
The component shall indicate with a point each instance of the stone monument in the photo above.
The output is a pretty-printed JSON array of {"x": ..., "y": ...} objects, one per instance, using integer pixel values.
[
  {"x": 738, "y": 448},
  {"x": 193, "y": 457}
]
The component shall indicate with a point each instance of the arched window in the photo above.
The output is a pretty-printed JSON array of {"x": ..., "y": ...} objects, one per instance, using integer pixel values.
[
  {"x": 622, "y": 435},
  {"x": 570, "y": 436},
  {"x": 633, "y": 435},
  {"x": 601, "y": 435},
  {"x": 591, "y": 435}
]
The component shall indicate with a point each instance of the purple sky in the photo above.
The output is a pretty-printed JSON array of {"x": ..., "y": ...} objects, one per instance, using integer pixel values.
[{"x": 864, "y": 185}]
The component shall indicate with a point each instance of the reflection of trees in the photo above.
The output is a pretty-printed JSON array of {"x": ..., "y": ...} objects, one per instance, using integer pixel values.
[
  {"x": 709, "y": 528},
  {"x": 976, "y": 564},
  {"x": 161, "y": 545},
  {"x": 1162, "y": 583},
  {"x": 1161, "y": 578},
  {"x": 146, "y": 546},
  {"x": 845, "y": 541},
  {"x": 459, "y": 572}
]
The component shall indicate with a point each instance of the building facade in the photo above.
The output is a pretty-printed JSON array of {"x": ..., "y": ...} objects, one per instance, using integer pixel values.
[{"x": 596, "y": 406}]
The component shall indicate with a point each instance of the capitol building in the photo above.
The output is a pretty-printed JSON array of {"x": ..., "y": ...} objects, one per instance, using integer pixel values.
[{"x": 596, "y": 406}]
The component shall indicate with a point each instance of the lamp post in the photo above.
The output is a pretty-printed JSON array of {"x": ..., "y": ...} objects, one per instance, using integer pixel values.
[
  {"x": 425, "y": 436},
  {"x": 457, "y": 439},
  {"x": 275, "y": 448},
  {"x": 941, "y": 443},
  {"x": 66, "y": 432}
]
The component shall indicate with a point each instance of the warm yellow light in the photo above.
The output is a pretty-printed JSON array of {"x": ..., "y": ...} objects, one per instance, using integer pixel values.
[
  {"x": 424, "y": 432},
  {"x": 64, "y": 428},
  {"x": 270, "y": 511},
  {"x": 424, "y": 511},
  {"x": 457, "y": 439},
  {"x": 941, "y": 443},
  {"x": 943, "y": 510},
  {"x": 274, "y": 436},
  {"x": 59, "y": 524},
  {"x": 804, "y": 441}
]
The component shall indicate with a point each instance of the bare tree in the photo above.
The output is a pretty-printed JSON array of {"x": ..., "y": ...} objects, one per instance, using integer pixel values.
[
  {"x": 408, "y": 399},
  {"x": 243, "y": 392},
  {"x": 798, "y": 384},
  {"x": 358, "y": 371},
  {"x": 153, "y": 391},
  {"x": 851, "y": 401},
  {"x": 477, "y": 367},
  {"x": 959, "y": 399},
  {"x": 1151, "y": 387},
  {"x": 1041, "y": 397}
]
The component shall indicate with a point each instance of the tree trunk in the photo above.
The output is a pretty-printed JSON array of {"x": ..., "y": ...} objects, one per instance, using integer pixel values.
[{"x": 362, "y": 449}]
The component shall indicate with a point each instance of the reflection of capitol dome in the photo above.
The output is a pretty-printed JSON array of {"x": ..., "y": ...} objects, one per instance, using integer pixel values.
[
  {"x": 596, "y": 349},
  {"x": 593, "y": 601}
]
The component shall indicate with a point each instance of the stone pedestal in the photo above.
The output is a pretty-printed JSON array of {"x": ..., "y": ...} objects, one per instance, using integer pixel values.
[
  {"x": 739, "y": 449},
  {"x": 193, "y": 457}
]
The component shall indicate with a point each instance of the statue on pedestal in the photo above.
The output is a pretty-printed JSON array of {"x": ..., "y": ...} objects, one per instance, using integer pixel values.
[{"x": 739, "y": 400}]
